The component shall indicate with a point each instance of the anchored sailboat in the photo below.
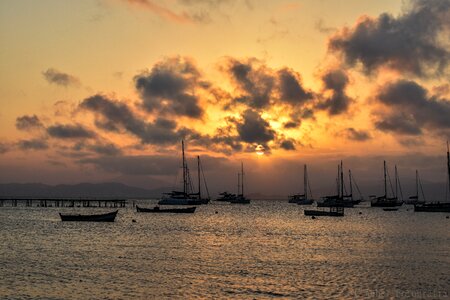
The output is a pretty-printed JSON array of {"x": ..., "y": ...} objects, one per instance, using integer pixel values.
[
  {"x": 303, "y": 199},
  {"x": 240, "y": 198},
  {"x": 181, "y": 197},
  {"x": 385, "y": 201},
  {"x": 416, "y": 199},
  {"x": 437, "y": 206}
]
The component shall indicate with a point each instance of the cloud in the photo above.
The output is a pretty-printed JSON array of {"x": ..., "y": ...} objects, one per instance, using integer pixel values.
[
  {"x": 287, "y": 145},
  {"x": 411, "y": 109},
  {"x": 116, "y": 116},
  {"x": 254, "y": 129},
  {"x": 415, "y": 42},
  {"x": 69, "y": 131},
  {"x": 254, "y": 79},
  {"x": 291, "y": 89},
  {"x": 136, "y": 165},
  {"x": 335, "y": 81},
  {"x": 28, "y": 122},
  {"x": 4, "y": 148},
  {"x": 357, "y": 135},
  {"x": 99, "y": 148},
  {"x": 59, "y": 78},
  {"x": 33, "y": 144},
  {"x": 169, "y": 88},
  {"x": 162, "y": 11},
  {"x": 258, "y": 86},
  {"x": 322, "y": 28}
]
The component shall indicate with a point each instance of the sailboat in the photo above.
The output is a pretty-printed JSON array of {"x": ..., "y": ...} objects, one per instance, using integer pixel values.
[
  {"x": 198, "y": 195},
  {"x": 415, "y": 199},
  {"x": 335, "y": 202},
  {"x": 240, "y": 198},
  {"x": 437, "y": 206},
  {"x": 340, "y": 199},
  {"x": 302, "y": 199},
  {"x": 385, "y": 201},
  {"x": 181, "y": 197}
]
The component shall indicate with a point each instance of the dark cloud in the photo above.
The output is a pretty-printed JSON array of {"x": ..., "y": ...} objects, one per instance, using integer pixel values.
[
  {"x": 291, "y": 89},
  {"x": 335, "y": 82},
  {"x": 99, "y": 148},
  {"x": 287, "y": 145},
  {"x": 4, "y": 148},
  {"x": 357, "y": 135},
  {"x": 170, "y": 88},
  {"x": 322, "y": 28},
  {"x": 117, "y": 116},
  {"x": 253, "y": 79},
  {"x": 291, "y": 124},
  {"x": 136, "y": 165},
  {"x": 415, "y": 42},
  {"x": 28, "y": 122},
  {"x": 69, "y": 131},
  {"x": 254, "y": 129},
  {"x": 259, "y": 86},
  {"x": 59, "y": 78},
  {"x": 412, "y": 109},
  {"x": 33, "y": 144}
]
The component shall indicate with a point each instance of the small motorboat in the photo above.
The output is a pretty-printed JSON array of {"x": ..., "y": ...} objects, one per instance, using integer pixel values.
[{"x": 108, "y": 217}]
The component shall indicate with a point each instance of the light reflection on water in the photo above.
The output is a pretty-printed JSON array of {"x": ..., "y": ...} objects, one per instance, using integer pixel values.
[{"x": 262, "y": 250}]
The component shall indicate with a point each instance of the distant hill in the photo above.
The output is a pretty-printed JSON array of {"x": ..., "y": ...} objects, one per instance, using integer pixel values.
[{"x": 81, "y": 190}]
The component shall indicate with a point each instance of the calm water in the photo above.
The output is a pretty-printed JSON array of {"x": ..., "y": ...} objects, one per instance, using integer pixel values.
[{"x": 262, "y": 250}]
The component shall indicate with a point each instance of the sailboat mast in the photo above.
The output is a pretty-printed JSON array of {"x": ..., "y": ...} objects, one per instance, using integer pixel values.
[
  {"x": 342, "y": 181},
  {"x": 351, "y": 185},
  {"x": 184, "y": 169},
  {"x": 417, "y": 185},
  {"x": 239, "y": 184},
  {"x": 396, "y": 182},
  {"x": 385, "y": 183},
  {"x": 198, "y": 174},
  {"x": 242, "y": 179},
  {"x": 305, "y": 183},
  {"x": 448, "y": 166}
]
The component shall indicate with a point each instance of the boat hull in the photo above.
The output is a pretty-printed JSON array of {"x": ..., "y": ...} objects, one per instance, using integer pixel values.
[
  {"x": 109, "y": 217},
  {"x": 432, "y": 207},
  {"x": 323, "y": 213},
  {"x": 180, "y": 201},
  {"x": 187, "y": 210}
]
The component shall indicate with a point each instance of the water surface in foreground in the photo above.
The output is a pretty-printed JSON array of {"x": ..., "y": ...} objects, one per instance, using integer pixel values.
[{"x": 262, "y": 250}]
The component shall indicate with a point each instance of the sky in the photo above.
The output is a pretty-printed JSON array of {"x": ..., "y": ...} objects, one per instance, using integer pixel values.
[{"x": 105, "y": 90}]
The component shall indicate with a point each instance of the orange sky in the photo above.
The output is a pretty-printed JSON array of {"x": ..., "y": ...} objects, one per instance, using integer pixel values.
[{"x": 87, "y": 86}]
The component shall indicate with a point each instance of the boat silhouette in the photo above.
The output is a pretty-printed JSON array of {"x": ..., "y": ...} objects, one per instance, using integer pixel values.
[{"x": 108, "y": 217}]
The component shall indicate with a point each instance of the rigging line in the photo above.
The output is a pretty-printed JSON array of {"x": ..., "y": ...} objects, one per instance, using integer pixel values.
[
  {"x": 400, "y": 186},
  {"x": 357, "y": 187},
  {"x": 390, "y": 183},
  {"x": 310, "y": 192},
  {"x": 421, "y": 189},
  {"x": 204, "y": 180}
]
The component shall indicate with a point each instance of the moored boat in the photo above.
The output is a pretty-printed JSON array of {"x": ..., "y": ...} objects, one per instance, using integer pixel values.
[
  {"x": 240, "y": 198},
  {"x": 108, "y": 217},
  {"x": 337, "y": 211},
  {"x": 385, "y": 201},
  {"x": 437, "y": 206},
  {"x": 182, "y": 197},
  {"x": 157, "y": 209},
  {"x": 303, "y": 199}
]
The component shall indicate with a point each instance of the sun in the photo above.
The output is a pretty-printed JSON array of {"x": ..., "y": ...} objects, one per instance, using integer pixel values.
[{"x": 259, "y": 150}]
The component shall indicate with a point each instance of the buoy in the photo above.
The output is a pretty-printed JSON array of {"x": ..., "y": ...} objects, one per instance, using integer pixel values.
[
  {"x": 313, "y": 217},
  {"x": 134, "y": 221},
  {"x": 360, "y": 213},
  {"x": 217, "y": 212},
  {"x": 446, "y": 217}
]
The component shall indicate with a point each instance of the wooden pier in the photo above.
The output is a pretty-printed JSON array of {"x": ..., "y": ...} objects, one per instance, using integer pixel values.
[{"x": 62, "y": 202}]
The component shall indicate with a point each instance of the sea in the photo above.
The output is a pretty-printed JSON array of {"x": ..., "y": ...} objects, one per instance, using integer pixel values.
[{"x": 264, "y": 250}]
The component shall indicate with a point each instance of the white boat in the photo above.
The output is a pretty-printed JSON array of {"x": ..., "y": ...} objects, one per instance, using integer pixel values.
[{"x": 181, "y": 197}]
